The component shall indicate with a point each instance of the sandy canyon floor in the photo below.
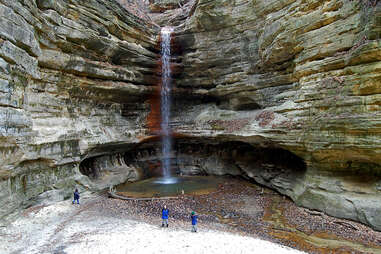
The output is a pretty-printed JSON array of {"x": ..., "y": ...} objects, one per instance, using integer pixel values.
[{"x": 237, "y": 218}]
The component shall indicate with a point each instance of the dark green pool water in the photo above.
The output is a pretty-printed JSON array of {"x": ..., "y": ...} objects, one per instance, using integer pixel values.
[{"x": 169, "y": 187}]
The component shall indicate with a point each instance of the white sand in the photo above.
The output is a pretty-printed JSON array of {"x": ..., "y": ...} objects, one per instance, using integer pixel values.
[{"x": 64, "y": 228}]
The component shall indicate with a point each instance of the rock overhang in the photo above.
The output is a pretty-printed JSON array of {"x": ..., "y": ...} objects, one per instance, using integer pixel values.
[
  {"x": 324, "y": 98},
  {"x": 198, "y": 156}
]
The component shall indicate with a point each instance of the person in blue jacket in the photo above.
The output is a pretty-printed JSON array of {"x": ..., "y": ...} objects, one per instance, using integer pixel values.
[
  {"x": 164, "y": 216},
  {"x": 76, "y": 196},
  {"x": 194, "y": 222}
]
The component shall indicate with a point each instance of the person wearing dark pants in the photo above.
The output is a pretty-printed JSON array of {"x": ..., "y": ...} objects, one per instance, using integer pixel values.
[
  {"x": 164, "y": 216},
  {"x": 76, "y": 196},
  {"x": 194, "y": 222}
]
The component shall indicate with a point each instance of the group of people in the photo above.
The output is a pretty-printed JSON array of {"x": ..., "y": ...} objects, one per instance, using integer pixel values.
[{"x": 165, "y": 216}]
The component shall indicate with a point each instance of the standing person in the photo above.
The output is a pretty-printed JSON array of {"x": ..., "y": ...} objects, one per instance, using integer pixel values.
[
  {"x": 164, "y": 216},
  {"x": 194, "y": 222},
  {"x": 76, "y": 196}
]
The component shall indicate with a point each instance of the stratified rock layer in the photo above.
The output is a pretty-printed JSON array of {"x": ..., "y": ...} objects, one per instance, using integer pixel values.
[
  {"x": 279, "y": 79},
  {"x": 303, "y": 76},
  {"x": 71, "y": 74}
]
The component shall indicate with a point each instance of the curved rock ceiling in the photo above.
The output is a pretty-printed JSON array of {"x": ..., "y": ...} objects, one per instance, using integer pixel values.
[{"x": 79, "y": 81}]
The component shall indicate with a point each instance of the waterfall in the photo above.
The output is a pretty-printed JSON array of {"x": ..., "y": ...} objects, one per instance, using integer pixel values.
[{"x": 165, "y": 108}]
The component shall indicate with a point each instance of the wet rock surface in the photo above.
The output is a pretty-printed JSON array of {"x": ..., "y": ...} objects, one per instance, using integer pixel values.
[
  {"x": 290, "y": 72},
  {"x": 79, "y": 80}
]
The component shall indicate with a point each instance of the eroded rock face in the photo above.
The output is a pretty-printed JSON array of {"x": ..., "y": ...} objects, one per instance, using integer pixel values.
[
  {"x": 71, "y": 74},
  {"x": 291, "y": 79},
  {"x": 274, "y": 167},
  {"x": 301, "y": 75},
  {"x": 163, "y": 5}
]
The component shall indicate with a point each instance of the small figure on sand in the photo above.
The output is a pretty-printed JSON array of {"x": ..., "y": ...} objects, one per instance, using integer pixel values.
[
  {"x": 194, "y": 222},
  {"x": 76, "y": 196},
  {"x": 164, "y": 216}
]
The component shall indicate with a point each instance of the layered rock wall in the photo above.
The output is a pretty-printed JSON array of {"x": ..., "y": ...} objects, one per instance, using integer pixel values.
[
  {"x": 299, "y": 80},
  {"x": 300, "y": 75},
  {"x": 71, "y": 74}
]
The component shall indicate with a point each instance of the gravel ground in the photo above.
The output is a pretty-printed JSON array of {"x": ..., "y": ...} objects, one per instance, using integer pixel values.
[
  {"x": 238, "y": 218},
  {"x": 85, "y": 228}
]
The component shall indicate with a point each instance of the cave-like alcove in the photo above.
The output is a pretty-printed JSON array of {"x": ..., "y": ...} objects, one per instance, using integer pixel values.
[{"x": 271, "y": 166}]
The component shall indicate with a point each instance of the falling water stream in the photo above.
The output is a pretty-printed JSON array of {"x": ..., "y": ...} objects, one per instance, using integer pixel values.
[
  {"x": 166, "y": 87},
  {"x": 275, "y": 215}
]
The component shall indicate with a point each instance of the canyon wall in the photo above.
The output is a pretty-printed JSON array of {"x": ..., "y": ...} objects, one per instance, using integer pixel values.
[
  {"x": 303, "y": 76},
  {"x": 286, "y": 93},
  {"x": 71, "y": 74}
]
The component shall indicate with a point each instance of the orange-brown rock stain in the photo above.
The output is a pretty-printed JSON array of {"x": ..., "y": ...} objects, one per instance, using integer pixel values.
[
  {"x": 153, "y": 120},
  {"x": 154, "y": 117}
]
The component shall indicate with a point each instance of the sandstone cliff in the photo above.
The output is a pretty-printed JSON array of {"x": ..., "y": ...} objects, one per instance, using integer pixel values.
[
  {"x": 71, "y": 73},
  {"x": 283, "y": 92},
  {"x": 302, "y": 76}
]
